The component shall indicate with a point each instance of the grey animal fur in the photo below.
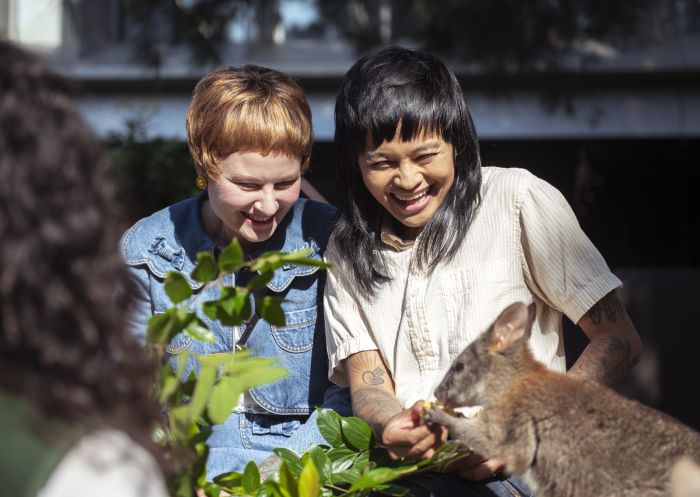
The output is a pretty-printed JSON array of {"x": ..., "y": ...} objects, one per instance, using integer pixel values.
[{"x": 566, "y": 436}]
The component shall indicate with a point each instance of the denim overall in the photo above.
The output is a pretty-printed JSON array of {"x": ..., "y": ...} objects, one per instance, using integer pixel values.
[{"x": 283, "y": 412}]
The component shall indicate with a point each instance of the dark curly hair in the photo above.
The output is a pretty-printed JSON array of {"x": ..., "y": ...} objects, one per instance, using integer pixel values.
[{"x": 63, "y": 347}]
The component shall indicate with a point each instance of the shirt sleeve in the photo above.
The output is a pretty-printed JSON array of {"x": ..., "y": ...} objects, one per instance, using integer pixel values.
[
  {"x": 346, "y": 328},
  {"x": 109, "y": 464},
  {"x": 561, "y": 264}
]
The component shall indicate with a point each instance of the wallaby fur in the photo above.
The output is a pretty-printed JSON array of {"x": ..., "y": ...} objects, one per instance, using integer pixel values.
[{"x": 565, "y": 436}]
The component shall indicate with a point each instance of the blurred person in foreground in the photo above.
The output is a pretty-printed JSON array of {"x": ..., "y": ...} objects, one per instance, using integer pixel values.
[
  {"x": 75, "y": 410},
  {"x": 249, "y": 133}
]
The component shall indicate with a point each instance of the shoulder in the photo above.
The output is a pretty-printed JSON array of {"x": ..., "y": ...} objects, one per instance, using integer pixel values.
[
  {"x": 313, "y": 221},
  {"x": 515, "y": 186},
  {"x": 508, "y": 181},
  {"x": 166, "y": 240},
  {"x": 106, "y": 462}
]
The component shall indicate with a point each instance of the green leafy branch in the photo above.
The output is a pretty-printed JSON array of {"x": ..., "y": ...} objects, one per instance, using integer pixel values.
[{"x": 352, "y": 465}]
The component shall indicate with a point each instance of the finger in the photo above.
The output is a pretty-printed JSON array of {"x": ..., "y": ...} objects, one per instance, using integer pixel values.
[
  {"x": 425, "y": 448},
  {"x": 466, "y": 462},
  {"x": 483, "y": 471},
  {"x": 404, "y": 436}
]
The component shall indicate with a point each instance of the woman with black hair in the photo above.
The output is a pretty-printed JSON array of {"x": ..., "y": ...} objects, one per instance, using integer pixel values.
[
  {"x": 430, "y": 247},
  {"x": 75, "y": 409}
]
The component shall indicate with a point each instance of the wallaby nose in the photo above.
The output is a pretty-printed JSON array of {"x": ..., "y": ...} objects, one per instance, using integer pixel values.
[{"x": 441, "y": 393}]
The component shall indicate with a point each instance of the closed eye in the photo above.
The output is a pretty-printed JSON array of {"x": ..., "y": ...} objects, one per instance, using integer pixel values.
[
  {"x": 248, "y": 186},
  {"x": 382, "y": 164},
  {"x": 425, "y": 157},
  {"x": 285, "y": 185}
]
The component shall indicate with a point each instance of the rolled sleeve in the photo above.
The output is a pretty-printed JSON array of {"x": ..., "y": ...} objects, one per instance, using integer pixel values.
[
  {"x": 346, "y": 329},
  {"x": 561, "y": 263}
]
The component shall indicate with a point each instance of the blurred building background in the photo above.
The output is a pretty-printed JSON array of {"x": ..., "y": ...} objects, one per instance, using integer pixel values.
[{"x": 602, "y": 99}]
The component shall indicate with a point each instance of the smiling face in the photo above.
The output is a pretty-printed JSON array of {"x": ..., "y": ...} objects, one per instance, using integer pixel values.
[
  {"x": 410, "y": 179},
  {"x": 250, "y": 196}
]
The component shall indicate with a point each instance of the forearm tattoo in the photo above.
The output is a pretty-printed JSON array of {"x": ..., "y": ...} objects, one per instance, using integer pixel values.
[
  {"x": 609, "y": 307},
  {"x": 371, "y": 400},
  {"x": 608, "y": 358}
]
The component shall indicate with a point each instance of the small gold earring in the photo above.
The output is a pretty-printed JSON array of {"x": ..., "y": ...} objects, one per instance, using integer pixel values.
[{"x": 201, "y": 182}]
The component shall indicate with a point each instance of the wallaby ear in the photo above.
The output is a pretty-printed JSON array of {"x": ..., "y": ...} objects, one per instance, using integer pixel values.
[{"x": 513, "y": 324}]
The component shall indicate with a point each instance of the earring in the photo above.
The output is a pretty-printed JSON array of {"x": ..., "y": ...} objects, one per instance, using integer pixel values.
[{"x": 201, "y": 182}]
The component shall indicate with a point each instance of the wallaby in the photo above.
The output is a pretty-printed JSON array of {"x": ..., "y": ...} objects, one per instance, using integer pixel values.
[{"x": 565, "y": 436}]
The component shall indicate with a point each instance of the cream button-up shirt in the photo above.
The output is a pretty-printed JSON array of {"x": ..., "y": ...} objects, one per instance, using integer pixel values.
[{"x": 524, "y": 244}]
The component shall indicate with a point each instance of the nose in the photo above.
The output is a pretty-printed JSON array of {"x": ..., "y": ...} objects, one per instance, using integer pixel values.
[
  {"x": 408, "y": 176},
  {"x": 267, "y": 204}
]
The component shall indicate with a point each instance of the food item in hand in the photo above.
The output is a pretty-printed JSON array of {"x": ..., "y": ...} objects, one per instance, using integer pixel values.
[{"x": 427, "y": 404}]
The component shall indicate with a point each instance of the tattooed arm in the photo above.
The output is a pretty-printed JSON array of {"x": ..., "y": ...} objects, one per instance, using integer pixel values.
[
  {"x": 371, "y": 389},
  {"x": 373, "y": 399},
  {"x": 615, "y": 346}
]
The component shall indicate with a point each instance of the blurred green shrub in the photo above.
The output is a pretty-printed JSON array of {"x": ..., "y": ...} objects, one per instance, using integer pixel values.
[{"x": 154, "y": 172}]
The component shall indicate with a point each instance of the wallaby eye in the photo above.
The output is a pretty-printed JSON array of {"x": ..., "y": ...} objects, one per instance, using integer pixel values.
[{"x": 458, "y": 367}]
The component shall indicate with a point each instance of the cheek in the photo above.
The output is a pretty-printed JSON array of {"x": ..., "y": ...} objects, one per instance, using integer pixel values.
[
  {"x": 375, "y": 184},
  {"x": 230, "y": 199},
  {"x": 287, "y": 198}
]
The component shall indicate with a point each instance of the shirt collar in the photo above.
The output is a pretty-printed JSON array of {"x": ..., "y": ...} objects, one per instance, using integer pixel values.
[{"x": 388, "y": 236}]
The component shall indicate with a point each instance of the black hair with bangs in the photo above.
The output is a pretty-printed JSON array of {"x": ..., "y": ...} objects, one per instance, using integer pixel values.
[{"x": 414, "y": 90}]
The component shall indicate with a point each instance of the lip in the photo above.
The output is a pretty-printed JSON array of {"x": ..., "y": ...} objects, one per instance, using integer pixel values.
[
  {"x": 412, "y": 203},
  {"x": 257, "y": 222}
]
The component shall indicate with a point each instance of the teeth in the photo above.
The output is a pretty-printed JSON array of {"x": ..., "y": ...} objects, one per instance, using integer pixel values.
[
  {"x": 258, "y": 219},
  {"x": 408, "y": 198}
]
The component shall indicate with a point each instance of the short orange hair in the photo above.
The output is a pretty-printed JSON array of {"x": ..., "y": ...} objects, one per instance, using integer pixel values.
[{"x": 247, "y": 109}]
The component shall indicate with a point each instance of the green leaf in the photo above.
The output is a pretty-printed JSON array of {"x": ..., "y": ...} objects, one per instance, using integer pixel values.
[
  {"x": 259, "y": 281},
  {"x": 341, "y": 458},
  {"x": 218, "y": 359},
  {"x": 287, "y": 480},
  {"x": 251, "y": 478},
  {"x": 224, "y": 398},
  {"x": 234, "y": 306},
  {"x": 163, "y": 327},
  {"x": 176, "y": 287},
  {"x": 270, "y": 309},
  {"x": 356, "y": 432},
  {"x": 205, "y": 270},
  {"x": 309, "y": 485},
  {"x": 198, "y": 330},
  {"x": 168, "y": 386},
  {"x": 230, "y": 480},
  {"x": 202, "y": 391},
  {"x": 323, "y": 465},
  {"x": 328, "y": 422},
  {"x": 257, "y": 377},
  {"x": 212, "y": 490},
  {"x": 231, "y": 258},
  {"x": 378, "y": 476},
  {"x": 271, "y": 488},
  {"x": 157, "y": 327},
  {"x": 291, "y": 460},
  {"x": 210, "y": 307},
  {"x": 349, "y": 475}
]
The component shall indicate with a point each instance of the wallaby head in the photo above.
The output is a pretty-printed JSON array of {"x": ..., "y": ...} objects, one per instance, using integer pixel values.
[{"x": 465, "y": 383}]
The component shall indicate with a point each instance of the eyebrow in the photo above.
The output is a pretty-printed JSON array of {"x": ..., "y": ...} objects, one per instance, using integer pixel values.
[{"x": 421, "y": 148}]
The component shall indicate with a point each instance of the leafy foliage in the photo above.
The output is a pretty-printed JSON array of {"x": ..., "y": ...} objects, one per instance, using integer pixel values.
[
  {"x": 352, "y": 464},
  {"x": 155, "y": 172}
]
